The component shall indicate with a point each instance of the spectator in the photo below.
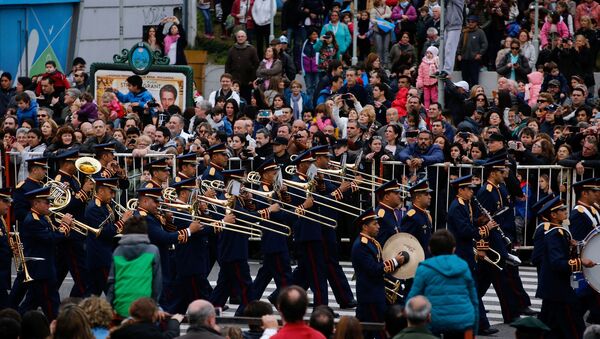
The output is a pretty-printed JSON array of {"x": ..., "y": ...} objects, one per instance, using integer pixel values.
[
  {"x": 137, "y": 97},
  {"x": 339, "y": 30},
  {"x": 6, "y": 92},
  {"x": 418, "y": 314},
  {"x": 291, "y": 304},
  {"x": 322, "y": 320},
  {"x": 328, "y": 50},
  {"x": 144, "y": 313},
  {"x": 263, "y": 11},
  {"x": 150, "y": 37},
  {"x": 381, "y": 15},
  {"x": 269, "y": 68},
  {"x": 348, "y": 328},
  {"x": 395, "y": 320},
  {"x": 137, "y": 262},
  {"x": 80, "y": 80},
  {"x": 472, "y": 47},
  {"x": 203, "y": 321},
  {"x": 174, "y": 41},
  {"x": 453, "y": 23},
  {"x": 100, "y": 136},
  {"x": 88, "y": 110},
  {"x": 256, "y": 309},
  {"x": 175, "y": 125},
  {"x": 72, "y": 322},
  {"x": 456, "y": 96},
  {"x": 353, "y": 87},
  {"x": 527, "y": 48},
  {"x": 403, "y": 55},
  {"x": 422, "y": 153},
  {"x": 555, "y": 25},
  {"x": 99, "y": 314},
  {"x": 425, "y": 82},
  {"x": 309, "y": 63},
  {"x": 27, "y": 108},
  {"x": 587, "y": 157},
  {"x": 225, "y": 92},
  {"x": 588, "y": 8},
  {"x": 298, "y": 100},
  {"x": 57, "y": 79},
  {"x": 241, "y": 64},
  {"x": 34, "y": 325},
  {"x": 49, "y": 129},
  {"x": 514, "y": 65},
  {"x": 10, "y": 328},
  {"x": 35, "y": 147},
  {"x": 51, "y": 97}
]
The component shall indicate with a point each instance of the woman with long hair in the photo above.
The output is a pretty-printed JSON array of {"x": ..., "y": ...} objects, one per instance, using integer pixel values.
[
  {"x": 72, "y": 323},
  {"x": 269, "y": 68},
  {"x": 238, "y": 145},
  {"x": 392, "y": 137},
  {"x": 328, "y": 51},
  {"x": 63, "y": 140},
  {"x": 49, "y": 129},
  {"x": 150, "y": 38},
  {"x": 175, "y": 41},
  {"x": 232, "y": 110}
]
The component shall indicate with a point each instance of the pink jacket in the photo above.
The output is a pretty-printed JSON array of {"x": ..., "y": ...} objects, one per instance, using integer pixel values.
[
  {"x": 593, "y": 11},
  {"x": 427, "y": 68},
  {"x": 561, "y": 29},
  {"x": 532, "y": 89},
  {"x": 398, "y": 12}
]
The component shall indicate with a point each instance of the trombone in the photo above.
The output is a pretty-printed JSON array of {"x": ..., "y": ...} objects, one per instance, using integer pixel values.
[
  {"x": 254, "y": 179},
  {"x": 186, "y": 212},
  {"x": 303, "y": 186},
  {"x": 227, "y": 204}
]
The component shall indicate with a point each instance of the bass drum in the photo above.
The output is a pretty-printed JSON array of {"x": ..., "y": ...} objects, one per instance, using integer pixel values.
[
  {"x": 591, "y": 250},
  {"x": 404, "y": 242}
]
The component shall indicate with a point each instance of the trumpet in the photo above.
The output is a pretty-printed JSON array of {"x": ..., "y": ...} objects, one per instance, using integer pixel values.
[
  {"x": 20, "y": 259},
  {"x": 119, "y": 209},
  {"x": 78, "y": 226},
  {"x": 187, "y": 212}
]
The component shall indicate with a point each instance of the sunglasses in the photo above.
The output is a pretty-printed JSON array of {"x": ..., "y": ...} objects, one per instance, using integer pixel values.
[
  {"x": 42, "y": 115},
  {"x": 514, "y": 48}
]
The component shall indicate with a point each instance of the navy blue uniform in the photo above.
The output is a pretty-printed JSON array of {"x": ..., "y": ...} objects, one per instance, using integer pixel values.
[
  {"x": 71, "y": 252},
  {"x": 335, "y": 274},
  {"x": 5, "y": 263},
  {"x": 40, "y": 240},
  {"x": 370, "y": 286},
  {"x": 560, "y": 310},
  {"x": 99, "y": 249},
  {"x": 20, "y": 204},
  {"x": 389, "y": 221},
  {"x": 191, "y": 262},
  {"x": 308, "y": 237},
  {"x": 107, "y": 173},
  {"x": 165, "y": 241},
  {"x": 461, "y": 222},
  {"x": 418, "y": 223},
  {"x": 21, "y": 207},
  {"x": 507, "y": 282},
  {"x": 582, "y": 220},
  {"x": 212, "y": 172},
  {"x": 234, "y": 272},
  {"x": 274, "y": 248}
]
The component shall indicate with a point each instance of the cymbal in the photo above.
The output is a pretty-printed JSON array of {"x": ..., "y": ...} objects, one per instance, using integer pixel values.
[{"x": 404, "y": 242}]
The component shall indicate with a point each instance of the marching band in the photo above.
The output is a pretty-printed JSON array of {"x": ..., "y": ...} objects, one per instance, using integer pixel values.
[{"x": 67, "y": 225}]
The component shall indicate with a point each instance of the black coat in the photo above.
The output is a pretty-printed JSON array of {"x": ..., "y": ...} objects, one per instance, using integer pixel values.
[
  {"x": 146, "y": 331},
  {"x": 197, "y": 332}
]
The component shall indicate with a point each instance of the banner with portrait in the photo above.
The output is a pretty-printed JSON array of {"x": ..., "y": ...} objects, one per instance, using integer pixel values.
[{"x": 167, "y": 88}]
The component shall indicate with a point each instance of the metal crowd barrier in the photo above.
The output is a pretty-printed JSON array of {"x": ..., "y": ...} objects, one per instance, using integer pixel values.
[{"x": 536, "y": 181}]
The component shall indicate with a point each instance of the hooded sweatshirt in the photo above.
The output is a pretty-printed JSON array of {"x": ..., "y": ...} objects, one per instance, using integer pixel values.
[{"x": 447, "y": 282}]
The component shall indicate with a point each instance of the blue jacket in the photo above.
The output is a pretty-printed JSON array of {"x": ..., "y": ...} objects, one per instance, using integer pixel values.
[
  {"x": 418, "y": 223},
  {"x": 389, "y": 222},
  {"x": 40, "y": 240},
  {"x": 142, "y": 97},
  {"x": 20, "y": 203},
  {"x": 30, "y": 113},
  {"x": 99, "y": 249},
  {"x": 432, "y": 155},
  {"x": 447, "y": 282}
]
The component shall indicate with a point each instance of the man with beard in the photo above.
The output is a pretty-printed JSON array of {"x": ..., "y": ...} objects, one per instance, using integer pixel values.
[
  {"x": 422, "y": 153},
  {"x": 263, "y": 144}
]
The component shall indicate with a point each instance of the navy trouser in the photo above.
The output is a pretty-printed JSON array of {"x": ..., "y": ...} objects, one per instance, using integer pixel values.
[
  {"x": 275, "y": 266},
  {"x": 310, "y": 270},
  {"x": 372, "y": 313},
  {"x": 335, "y": 275},
  {"x": 233, "y": 276},
  {"x": 71, "y": 258},
  {"x": 564, "y": 319},
  {"x": 516, "y": 286},
  {"x": 490, "y": 275},
  {"x": 97, "y": 281},
  {"x": 191, "y": 288},
  {"x": 43, "y": 294},
  {"x": 18, "y": 290}
]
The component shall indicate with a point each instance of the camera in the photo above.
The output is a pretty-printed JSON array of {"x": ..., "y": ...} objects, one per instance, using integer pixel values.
[
  {"x": 153, "y": 103},
  {"x": 260, "y": 81},
  {"x": 464, "y": 135}
]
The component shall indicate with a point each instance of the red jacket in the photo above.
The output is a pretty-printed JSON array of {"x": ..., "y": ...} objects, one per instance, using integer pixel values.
[
  {"x": 400, "y": 102},
  {"x": 297, "y": 331},
  {"x": 235, "y": 10},
  {"x": 60, "y": 82}
]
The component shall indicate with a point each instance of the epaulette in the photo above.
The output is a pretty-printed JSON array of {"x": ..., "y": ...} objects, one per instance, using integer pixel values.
[
  {"x": 98, "y": 202},
  {"x": 364, "y": 240},
  {"x": 546, "y": 226},
  {"x": 177, "y": 179},
  {"x": 265, "y": 188},
  {"x": 20, "y": 184},
  {"x": 489, "y": 187},
  {"x": 461, "y": 201},
  {"x": 143, "y": 213},
  {"x": 35, "y": 216},
  {"x": 580, "y": 209},
  {"x": 411, "y": 212},
  {"x": 381, "y": 213},
  {"x": 58, "y": 177},
  {"x": 212, "y": 171}
]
